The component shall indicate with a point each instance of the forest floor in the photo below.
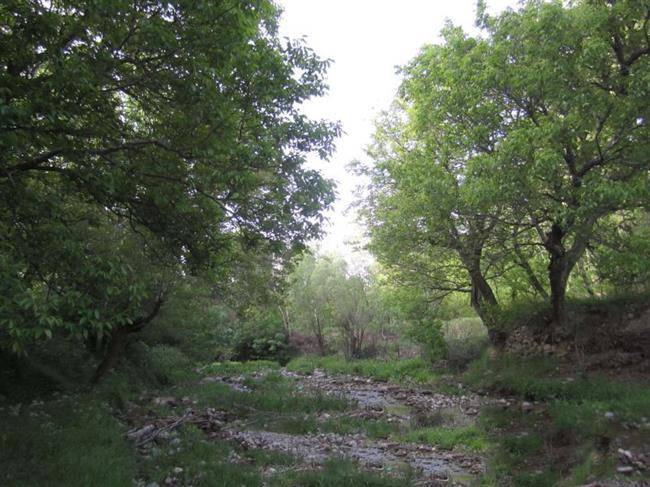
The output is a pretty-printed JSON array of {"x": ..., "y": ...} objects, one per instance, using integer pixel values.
[
  {"x": 325, "y": 422},
  {"x": 285, "y": 425},
  {"x": 379, "y": 425}
]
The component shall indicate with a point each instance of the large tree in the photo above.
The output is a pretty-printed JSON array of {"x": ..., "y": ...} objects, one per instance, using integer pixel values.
[
  {"x": 432, "y": 214},
  {"x": 172, "y": 126},
  {"x": 577, "y": 150},
  {"x": 503, "y": 144}
]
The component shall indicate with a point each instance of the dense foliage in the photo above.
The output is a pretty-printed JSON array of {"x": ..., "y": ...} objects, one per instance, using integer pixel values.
[
  {"x": 142, "y": 142},
  {"x": 503, "y": 155}
]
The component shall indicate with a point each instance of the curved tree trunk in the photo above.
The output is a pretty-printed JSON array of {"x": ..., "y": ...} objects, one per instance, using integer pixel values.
[
  {"x": 113, "y": 354},
  {"x": 482, "y": 299},
  {"x": 530, "y": 273},
  {"x": 118, "y": 339},
  {"x": 482, "y": 296}
]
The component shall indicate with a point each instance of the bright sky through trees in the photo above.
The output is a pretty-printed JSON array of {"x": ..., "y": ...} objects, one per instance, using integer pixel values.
[{"x": 366, "y": 39}]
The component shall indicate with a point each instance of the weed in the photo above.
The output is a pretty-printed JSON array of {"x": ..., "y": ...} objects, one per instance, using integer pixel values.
[
  {"x": 238, "y": 368},
  {"x": 198, "y": 462},
  {"x": 521, "y": 446},
  {"x": 416, "y": 370},
  {"x": 72, "y": 441},
  {"x": 469, "y": 437},
  {"x": 373, "y": 428}
]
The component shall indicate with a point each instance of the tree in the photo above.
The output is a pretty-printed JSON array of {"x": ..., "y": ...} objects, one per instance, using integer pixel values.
[
  {"x": 431, "y": 212},
  {"x": 311, "y": 285},
  {"x": 171, "y": 125},
  {"x": 501, "y": 145},
  {"x": 577, "y": 149},
  {"x": 353, "y": 313}
]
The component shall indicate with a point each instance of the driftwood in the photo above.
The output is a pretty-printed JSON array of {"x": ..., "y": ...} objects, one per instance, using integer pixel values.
[
  {"x": 209, "y": 420},
  {"x": 150, "y": 432}
]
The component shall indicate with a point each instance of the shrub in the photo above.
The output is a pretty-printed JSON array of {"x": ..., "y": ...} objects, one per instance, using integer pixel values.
[
  {"x": 465, "y": 339},
  {"x": 428, "y": 334},
  {"x": 168, "y": 365},
  {"x": 262, "y": 336},
  {"x": 274, "y": 347}
]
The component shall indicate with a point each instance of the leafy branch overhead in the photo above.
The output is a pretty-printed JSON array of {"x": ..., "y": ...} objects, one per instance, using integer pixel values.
[{"x": 144, "y": 140}]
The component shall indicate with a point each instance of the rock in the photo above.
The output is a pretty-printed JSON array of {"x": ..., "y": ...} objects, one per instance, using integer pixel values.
[
  {"x": 177, "y": 470},
  {"x": 625, "y": 454},
  {"x": 610, "y": 415},
  {"x": 625, "y": 470},
  {"x": 164, "y": 401},
  {"x": 526, "y": 406}
]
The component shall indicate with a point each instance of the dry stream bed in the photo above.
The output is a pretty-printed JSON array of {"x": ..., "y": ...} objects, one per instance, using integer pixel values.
[{"x": 404, "y": 407}]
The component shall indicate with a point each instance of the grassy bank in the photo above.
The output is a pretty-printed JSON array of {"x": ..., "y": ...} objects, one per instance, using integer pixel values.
[{"x": 414, "y": 370}]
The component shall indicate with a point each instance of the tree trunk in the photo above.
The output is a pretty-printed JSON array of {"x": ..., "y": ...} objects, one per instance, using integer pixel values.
[
  {"x": 558, "y": 273},
  {"x": 285, "y": 319},
  {"x": 320, "y": 339},
  {"x": 482, "y": 299},
  {"x": 118, "y": 337},
  {"x": 112, "y": 355},
  {"x": 586, "y": 279},
  {"x": 561, "y": 264}
]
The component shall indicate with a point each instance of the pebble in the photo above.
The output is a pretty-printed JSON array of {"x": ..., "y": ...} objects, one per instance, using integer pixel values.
[
  {"x": 625, "y": 455},
  {"x": 625, "y": 470},
  {"x": 526, "y": 406}
]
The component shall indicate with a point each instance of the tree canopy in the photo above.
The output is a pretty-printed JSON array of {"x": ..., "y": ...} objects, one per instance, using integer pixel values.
[
  {"x": 501, "y": 149},
  {"x": 141, "y": 141}
]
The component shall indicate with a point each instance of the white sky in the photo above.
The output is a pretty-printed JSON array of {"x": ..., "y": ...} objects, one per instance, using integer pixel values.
[{"x": 366, "y": 39}]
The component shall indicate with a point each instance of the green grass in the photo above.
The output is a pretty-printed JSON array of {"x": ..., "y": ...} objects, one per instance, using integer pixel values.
[
  {"x": 239, "y": 368},
  {"x": 273, "y": 394},
  {"x": 532, "y": 379},
  {"x": 208, "y": 462},
  {"x": 339, "y": 473},
  {"x": 573, "y": 416},
  {"x": 521, "y": 446},
  {"x": 467, "y": 438},
  {"x": 415, "y": 370},
  {"x": 72, "y": 441}
]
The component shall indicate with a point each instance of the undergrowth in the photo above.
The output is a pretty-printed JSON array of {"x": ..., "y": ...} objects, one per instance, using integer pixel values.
[
  {"x": 415, "y": 370},
  {"x": 558, "y": 443}
]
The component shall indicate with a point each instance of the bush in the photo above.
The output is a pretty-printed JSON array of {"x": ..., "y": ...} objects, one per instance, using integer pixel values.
[
  {"x": 465, "y": 339},
  {"x": 262, "y": 336},
  {"x": 428, "y": 334},
  {"x": 193, "y": 323},
  {"x": 275, "y": 347}
]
